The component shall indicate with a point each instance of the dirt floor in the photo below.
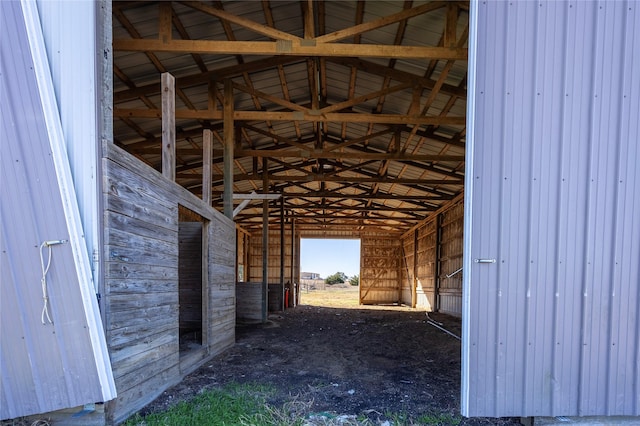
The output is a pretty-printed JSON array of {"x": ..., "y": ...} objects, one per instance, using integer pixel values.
[{"x": 344, "y": 359}]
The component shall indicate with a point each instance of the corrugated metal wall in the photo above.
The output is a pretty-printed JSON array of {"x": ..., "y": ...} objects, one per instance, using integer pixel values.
[
  {"x": 56, "y": 358},
  {"x": 553, "y": 180},
  {"x": 69, "y": 30}
]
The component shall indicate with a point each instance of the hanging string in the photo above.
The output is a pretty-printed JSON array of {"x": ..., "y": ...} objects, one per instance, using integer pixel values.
[{"x": 43, "y": 280}]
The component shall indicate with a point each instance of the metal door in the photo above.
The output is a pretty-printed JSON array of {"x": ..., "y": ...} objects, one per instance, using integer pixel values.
[{"x": 552, "y": 230}]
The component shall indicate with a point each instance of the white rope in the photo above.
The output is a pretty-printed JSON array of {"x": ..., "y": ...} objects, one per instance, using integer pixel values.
[{"x": 43, "y": 281}]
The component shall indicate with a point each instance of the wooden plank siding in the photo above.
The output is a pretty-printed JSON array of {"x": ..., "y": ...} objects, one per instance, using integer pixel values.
[
  {"x": 273, "y": 271},
  {"x": 450, "y": 260},
  {"x": 141, "y": 296},
  {"x": 407, "y": 296},
  {"x": 381, "y": 266},
  {"x": 426, "y": 271},
  {"x": 436, "y": 248}
]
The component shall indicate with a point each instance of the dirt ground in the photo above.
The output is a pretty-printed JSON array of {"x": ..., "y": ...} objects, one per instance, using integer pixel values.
[{"x": 344, "y": 359}]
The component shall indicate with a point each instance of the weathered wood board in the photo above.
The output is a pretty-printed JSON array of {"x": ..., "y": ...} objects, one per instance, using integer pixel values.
[
  {"x": 145, "y": 281},
  {"x": 433, "y": 258}
]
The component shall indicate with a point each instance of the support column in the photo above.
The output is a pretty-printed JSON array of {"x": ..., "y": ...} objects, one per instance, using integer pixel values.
[
  {"x": 207, "y": 160},
  {"x": 168, "y": 84},
  {"x": 294, "y": 281},
  {"x": 438, "y": 262},
  {"x": 414, "y": 290},
  {"x": 265, "y": 241},
  {"x": 282, "y": 251},
  {"x": 228, "y": 149}
]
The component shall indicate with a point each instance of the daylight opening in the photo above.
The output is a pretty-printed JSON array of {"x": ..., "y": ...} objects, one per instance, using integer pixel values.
[{"x": 330, "y": 272}]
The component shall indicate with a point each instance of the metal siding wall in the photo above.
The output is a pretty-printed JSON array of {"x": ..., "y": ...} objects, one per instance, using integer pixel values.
[
  {"x": 69, "y": 30},
  {"x": 48, "y": 366},
  {"x": 553, "y": 325}
]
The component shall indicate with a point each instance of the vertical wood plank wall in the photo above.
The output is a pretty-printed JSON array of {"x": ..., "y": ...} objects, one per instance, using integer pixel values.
[
  {"x": 450, "y": 260},
  {"x": 408, "y": 271},
  {"x": 141, "y": 281},
  {"x": 426, "y": 271},
  {"x": 432, "y": 251},
  {"x": 255, "y": 257},
  {"x": 381, "y": 266}
]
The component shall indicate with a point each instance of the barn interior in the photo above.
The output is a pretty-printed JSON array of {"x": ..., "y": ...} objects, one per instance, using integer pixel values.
[
  {"x": 349, "y": 115},
  {"x": 206, "y": 140}
]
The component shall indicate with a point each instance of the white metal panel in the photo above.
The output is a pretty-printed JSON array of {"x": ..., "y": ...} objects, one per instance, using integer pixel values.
[
  {"x": 553, "y": 191},
  {"x": 46, "y": 366},
  {"x": 69, "y": 31}
]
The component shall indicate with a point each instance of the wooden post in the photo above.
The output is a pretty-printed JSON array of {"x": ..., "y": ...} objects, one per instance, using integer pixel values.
[
  {"x": 168, "y": 126},
  {"x": 282, "y": 252},
  {"x": 265, "y": 241},
  {"x": 414, "y": 290},
  {"x": 164, "y": 20},
  {"x": 450, "y": 34},
  {"x": 438, "y": 262},
  {"x": 207, "y": 160},
  {"x": 294, "y": 281},
  {"x": 228, "y": 149},
  {"x": 212, "y": 89}
]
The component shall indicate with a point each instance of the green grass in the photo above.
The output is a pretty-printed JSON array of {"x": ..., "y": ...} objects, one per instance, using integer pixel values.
[
  {"x": 444, "y": 419},
  {"x": 246, "y": 405},
  {"x": 441, "y": 419},
  {"x": 230, "y": 406}
]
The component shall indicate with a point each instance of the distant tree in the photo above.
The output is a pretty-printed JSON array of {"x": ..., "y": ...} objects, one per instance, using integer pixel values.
[
  {"x": 337, "y": 278},
  {"x": 354, "y": 280}
]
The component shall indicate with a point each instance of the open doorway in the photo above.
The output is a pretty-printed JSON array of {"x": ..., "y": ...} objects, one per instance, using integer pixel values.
[
  {"x": 190, "y": 280},
  {"x": 330, "y": 271}
]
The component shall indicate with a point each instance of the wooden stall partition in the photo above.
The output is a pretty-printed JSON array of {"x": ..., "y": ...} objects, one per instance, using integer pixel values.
[
  {"x": 249, "y": 296},
  {"x": 142, "y": 281},
  {"x": 222, "y": 284}
]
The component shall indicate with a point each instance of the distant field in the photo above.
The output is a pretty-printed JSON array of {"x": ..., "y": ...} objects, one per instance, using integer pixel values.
[{"x": 337, "y": 296}]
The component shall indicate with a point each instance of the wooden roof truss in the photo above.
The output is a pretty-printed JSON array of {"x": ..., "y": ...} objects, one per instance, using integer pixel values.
[{"x": 356, "y": 108}]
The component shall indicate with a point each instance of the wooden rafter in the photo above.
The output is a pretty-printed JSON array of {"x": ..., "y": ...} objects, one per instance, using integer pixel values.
[
  {"x": 287, "y": 47},
  {"x": 313, "y": 153},
  {"x": 293, "y": 116},
  {"x": 381, "y": 22},
  {"x": 318, "y": 177},
  {"x": 344, "y": 161}
]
